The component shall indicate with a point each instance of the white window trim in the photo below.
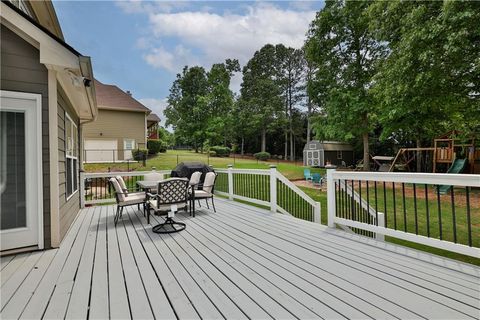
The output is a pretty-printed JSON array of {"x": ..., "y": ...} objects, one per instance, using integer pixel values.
[
  {"x": 74, "y": 126},
  {"x": 125, "y": 144}
]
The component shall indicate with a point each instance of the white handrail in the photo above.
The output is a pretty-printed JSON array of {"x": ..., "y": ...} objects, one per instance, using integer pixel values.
[
  {"x": 272, "y": 173},
  {"x": 464, "y": 180}
]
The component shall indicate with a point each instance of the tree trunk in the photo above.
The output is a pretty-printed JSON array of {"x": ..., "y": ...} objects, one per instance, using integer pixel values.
[
  {"x": 292, "y": 146},
  {"x": 286, "y": 145},
  {"x": 419, "y": 156},
  {"x": 264, "y": 140},
  {"x": 366, "y": 152},
  {"x": 309, "y": 124},
  {"x": 243, "y": 142}
]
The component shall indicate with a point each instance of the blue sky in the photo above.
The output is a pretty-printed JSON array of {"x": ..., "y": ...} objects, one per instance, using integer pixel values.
[{"x": 141, "y": 45}]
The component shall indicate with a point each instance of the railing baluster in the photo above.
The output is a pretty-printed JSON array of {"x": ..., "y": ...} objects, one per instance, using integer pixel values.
[
  {"x": 427, "y": 211},
  {"x": 454, "y": 220},
  {"x": 394, "y": 207},
  {"x": 439, "y": 213},
  {"x": 415, "y": 207},
  {"x": 469, "y": 222},
  {"x": 385, "y": 203},
  {"x": 368, "y": 203},
  {"x": 404, "y": 209},
  {"x": 376, "y": 203}
]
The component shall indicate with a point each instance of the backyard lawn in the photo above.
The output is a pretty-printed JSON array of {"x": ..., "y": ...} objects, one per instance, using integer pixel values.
[{"x": 168, "y": 161}]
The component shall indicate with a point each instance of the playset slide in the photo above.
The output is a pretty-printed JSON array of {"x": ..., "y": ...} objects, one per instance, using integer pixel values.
[{"x": 457, "y": 167}]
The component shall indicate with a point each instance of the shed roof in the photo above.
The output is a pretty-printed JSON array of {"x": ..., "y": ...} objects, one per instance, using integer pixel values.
[
  {"x": 111, "y": 97},
  {"x": 329, "y": 145}
]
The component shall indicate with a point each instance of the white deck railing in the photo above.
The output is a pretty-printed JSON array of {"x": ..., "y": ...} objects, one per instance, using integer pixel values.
[
  {"x": 267, "y": 188},
  {"x": 408, "y": 206}
]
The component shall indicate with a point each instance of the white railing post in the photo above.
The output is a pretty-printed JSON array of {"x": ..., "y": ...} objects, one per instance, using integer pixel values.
[
  {"x": 317, "y": 217},
  {"x": 331, "y": 208},
  {"x": 381, "y": 223},
  {"x": 82, "y": 189},
  {"x": 273, "y": 188},
  {"x": 230, "y": 182}
]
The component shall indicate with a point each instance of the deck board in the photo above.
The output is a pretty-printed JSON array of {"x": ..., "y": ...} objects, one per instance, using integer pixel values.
[{"x": 241, "y": 262}]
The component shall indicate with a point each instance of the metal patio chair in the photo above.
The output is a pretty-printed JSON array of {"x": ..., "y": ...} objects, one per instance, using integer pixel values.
[
  {"x": 172, "y": 195},
  {"x": 125, "y": 199}
]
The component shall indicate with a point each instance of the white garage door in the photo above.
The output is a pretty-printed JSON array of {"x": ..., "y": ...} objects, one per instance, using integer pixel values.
[{"x": 101, "y": 151}]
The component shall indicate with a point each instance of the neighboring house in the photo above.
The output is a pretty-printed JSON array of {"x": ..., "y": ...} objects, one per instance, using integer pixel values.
[
  {"x": 120, "y": 127},
  {"x": 152, "y": 126},
  {"x": 46, "y": 99}
]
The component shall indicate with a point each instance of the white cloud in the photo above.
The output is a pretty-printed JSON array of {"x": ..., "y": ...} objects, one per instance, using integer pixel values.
[
  {"x": 172, "y": 61},
  {"x": 232, "y": 35},
  {"x": 140, "y": 6},
  {"x": 156, "y": 105}
]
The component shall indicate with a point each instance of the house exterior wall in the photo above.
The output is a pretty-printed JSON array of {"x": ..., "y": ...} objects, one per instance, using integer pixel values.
[
  {"x": 117, "y": 125},
  {"x": 22, "y": 71},
  {"x": 68, "y": 209}
]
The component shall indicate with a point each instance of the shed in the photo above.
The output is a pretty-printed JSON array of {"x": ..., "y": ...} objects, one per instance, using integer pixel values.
[{"x": 319, "y": 153}]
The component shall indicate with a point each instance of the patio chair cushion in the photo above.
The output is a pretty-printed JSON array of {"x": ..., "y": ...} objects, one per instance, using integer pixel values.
[
  {"x": 209, "y": 182},
  {"x": 122, "y": 184},
  {"x": 133, "y": 199},
  {"x": 164, "y": 207},
  {"x": 120, "y": 195},
  {"x": 202, "y": 194},
  {"x": 195, "y": 178}
]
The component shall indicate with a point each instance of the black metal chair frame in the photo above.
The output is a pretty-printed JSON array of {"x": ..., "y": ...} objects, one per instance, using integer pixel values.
[
  {"x": 120, "y": 207},
  {"x": 192, "y": 198},
  {"x": 169, "y": 225}
]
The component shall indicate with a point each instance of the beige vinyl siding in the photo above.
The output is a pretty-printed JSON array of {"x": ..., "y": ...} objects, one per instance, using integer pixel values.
[
  {"x": 22, "y": 71},
  {"x": 117, "y": 125},
  {"x": 68, "y": 208}
]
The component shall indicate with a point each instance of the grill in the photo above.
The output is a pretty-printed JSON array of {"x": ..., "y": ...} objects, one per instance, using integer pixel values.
[{"x": 186, "y": 169}]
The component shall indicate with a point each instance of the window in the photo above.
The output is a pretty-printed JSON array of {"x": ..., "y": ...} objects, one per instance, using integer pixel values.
[
  {"x": 71, "y": 146},
  {"x": 22, "y": 5},
  {"x": 339, "y": 155}
]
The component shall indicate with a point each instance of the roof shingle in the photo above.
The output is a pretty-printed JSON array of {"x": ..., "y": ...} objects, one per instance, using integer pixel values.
[{"x": 111, "y": 97}]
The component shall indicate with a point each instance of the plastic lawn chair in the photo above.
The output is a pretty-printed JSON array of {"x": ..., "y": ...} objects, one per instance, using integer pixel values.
[
  {"x": 317, "y": 179},
  {"x": 307, "y": 174}
]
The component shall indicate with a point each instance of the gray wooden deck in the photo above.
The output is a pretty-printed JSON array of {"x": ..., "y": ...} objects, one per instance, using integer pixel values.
[{"x": 241, "y": 262}]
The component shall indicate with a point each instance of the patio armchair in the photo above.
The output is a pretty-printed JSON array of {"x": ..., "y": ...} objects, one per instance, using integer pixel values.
[
  {"x": 317, "y": 179},
  {"x": 172, "y": 195},
  {"x": 307, "y": 174},
  {"x": 125, "y": 199},
  {"x": 207, "y": 190}
]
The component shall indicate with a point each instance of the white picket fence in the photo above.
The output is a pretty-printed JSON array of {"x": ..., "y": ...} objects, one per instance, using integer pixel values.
[{"x": 443, "y": 229}]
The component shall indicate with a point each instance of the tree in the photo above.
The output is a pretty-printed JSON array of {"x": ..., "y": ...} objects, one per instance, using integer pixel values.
[
  {"x": 429, "y": 83},
  {"x": 260, "y": 94},
  {"x": 345, "y": 54},
  {"x": 219, "y": 101},
  {"x": 187, "y": 105},
  {"x": 291, "y": 69}
]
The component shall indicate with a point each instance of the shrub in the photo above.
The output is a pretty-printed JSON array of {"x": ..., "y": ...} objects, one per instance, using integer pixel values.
[
  {"x": 154, "y": 146},
  {"x": 138, "y": 154},
  {"x": 262, "y": 156},
  {"x": 220, "y": 151},
  {"x": 212, "y": 153}
]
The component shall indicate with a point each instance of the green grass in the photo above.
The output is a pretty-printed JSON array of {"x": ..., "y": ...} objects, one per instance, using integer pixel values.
[{"x": 168, "y": 161}]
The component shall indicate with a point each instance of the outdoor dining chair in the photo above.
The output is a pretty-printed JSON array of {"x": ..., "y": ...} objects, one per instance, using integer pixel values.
[
  {"x": 317, "y": 179},
  {"x": 207, "y": 190},
  {"x": 125, "y": 199},
  {"x": 307, "y": 174},
  {"x": 172, "y": 195},
  {"x": 153, "y": 176}
]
